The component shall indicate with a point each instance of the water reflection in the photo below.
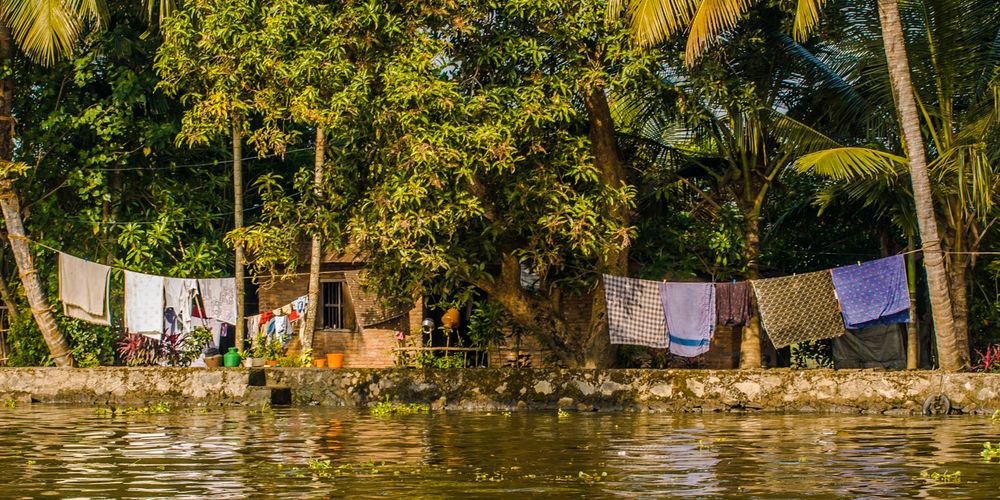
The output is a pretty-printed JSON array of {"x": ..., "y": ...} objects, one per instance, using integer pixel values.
[{"x": 235, "y": 453}]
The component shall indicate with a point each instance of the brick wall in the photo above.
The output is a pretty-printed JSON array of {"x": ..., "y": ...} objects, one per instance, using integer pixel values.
[
  {"x": 724, "y": 351},
  {"x": 362, "y": 347}
]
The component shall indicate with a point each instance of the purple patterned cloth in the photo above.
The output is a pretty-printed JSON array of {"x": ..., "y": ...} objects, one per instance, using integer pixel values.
[
  {"x": 690, "y": 312},
  {"x": 873, "y": 292}
]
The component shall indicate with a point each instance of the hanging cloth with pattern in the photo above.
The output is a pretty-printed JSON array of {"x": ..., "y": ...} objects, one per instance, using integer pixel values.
[{"x": 798, "y": 308}]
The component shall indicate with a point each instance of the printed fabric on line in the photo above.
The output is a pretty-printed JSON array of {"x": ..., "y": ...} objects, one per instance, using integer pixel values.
[
  {"x": 798, "y": 308},
  {"x": 874, "y": 292},
  {"x": 144, "y": 303}
]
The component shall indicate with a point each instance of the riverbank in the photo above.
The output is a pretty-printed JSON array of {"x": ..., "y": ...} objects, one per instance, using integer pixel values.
[{"x": 776, "y": 390}]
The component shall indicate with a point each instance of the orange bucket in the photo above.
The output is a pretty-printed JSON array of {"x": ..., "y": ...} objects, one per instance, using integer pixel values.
[
  {"x": 334, "y": 360},
  {"x": 319, "y": 363}
]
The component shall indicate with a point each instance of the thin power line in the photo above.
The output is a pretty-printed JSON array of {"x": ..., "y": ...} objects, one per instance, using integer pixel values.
[{"x": 197, "y": 165}]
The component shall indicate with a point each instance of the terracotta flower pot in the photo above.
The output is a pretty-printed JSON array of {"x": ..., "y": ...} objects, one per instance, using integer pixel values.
[
  {"x": 272, "y": 362},
  {"x": 334, "y": 360},
  {"x": 319, "y": 363},
  {"x": 213, "y": 361}
]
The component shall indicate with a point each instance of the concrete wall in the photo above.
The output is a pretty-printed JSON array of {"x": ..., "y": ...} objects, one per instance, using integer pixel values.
[{"x": 843, "y": 391}]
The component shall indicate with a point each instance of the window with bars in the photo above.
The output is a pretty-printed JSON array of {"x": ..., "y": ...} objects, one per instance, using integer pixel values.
[{"x": 334, "y": 306}]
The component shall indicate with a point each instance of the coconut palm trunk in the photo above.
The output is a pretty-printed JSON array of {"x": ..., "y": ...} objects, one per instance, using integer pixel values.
[
  {"x": 37, "y": 298},
  {"x": 950, "y": 356},
  {"x": 316, "y": 252}
]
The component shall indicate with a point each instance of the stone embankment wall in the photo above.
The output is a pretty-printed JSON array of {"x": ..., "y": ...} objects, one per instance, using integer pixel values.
[{"x": 842, "y": 391}]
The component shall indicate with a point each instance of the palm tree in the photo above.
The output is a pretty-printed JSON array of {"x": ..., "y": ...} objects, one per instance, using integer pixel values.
[
  {"x": 44, "y": 31},
  {"x": 655, "y": 20},
  {"x": 956, "y": 77},
  {"x": 739, "y": 126}
]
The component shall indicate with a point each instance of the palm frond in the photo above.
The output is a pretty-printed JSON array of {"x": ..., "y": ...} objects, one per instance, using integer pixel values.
[
  {"x": 801, "y": 138},
  {"x": 711, "y": 19},
  {"x": 47, "y": 29},
  {"x": 806, "y": 17},
  {"x": 852, "y": 163},
  {"x": 652, "y": 21}
]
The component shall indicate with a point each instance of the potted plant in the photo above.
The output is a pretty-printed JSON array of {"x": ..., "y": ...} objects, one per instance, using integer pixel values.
[
  {"x": 273, "y": 351},
  {"x": 258, "y": 351}
]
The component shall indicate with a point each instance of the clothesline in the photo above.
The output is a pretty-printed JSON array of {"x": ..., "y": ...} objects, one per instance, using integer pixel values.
[
  {"x": 286, "y": 275},
  {"x": 197, "y": 165},
  {"x": 188, "y": 219},
  {"x": 121, "y": 268}
]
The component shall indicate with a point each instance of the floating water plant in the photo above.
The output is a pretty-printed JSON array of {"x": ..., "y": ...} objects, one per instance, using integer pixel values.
[
  {"x": 991, "y": 452},
  {"x": 943, "y": 477},
  {"x": 388, "y": 408},
  {"x": 153, "y": 409}
]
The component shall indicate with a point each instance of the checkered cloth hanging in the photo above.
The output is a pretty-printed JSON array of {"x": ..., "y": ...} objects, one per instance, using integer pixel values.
[
  {"x": 635, "y": 315},
  {"x": 798, "y": 308}
]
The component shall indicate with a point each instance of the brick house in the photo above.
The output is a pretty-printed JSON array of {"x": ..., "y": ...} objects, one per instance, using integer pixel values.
[{"x": 356, "y": 324}]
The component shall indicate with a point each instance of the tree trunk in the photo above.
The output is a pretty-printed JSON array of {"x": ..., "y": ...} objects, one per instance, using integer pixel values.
[
  {"x": 597, "y": 350},
  {"x": 37, "y": 299},
  {"x": 750, "y": 345},
  {"x": 238, "y": 223},
  {"x": 959, "y": 284},
  {"x": 912, "y": 333},
  {"x": 316, "y": 253},
  {"x": 950, "y": 357}
]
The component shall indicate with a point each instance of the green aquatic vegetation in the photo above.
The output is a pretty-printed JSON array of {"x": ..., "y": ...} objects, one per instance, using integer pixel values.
[
  {"x": 153, "y": 409},
  {"x": 996, "y": 417},
  {"x": 592, "y": 478},
  {"x": 943, "y": 477},
  {"x": 991, "y": 452},
  {"x": 388, "y": 408},
  {"x": 562, "y": 413},
  {"x": 10, "y": 403}
]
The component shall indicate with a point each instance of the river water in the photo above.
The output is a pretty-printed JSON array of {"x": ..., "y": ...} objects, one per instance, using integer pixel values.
[{"x": 76, "y": 452}]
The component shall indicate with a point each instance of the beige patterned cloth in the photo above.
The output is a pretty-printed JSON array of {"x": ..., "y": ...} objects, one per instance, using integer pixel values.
[{"x": 798, "y": 308}]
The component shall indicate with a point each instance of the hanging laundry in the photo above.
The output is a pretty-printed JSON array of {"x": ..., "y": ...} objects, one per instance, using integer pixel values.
[
  {"x": 635, "y": 314},
  {"x": 170, "y": 324},
  {"x": 799, "y": 307},
  {"x": 83, "y": 289},
  {"x": 178, "y": 294},
  {"x": 253, "y": 326},
  {"x": 219, "y": 297},
  {"x": 733, "y": 303},
  {"x": 299, "y": 308},
  {"x": 690, "y": 313},
  {"x": 877, "y": 346},
  {"x": 143, "y": 303},
  {"x": 282, "y": 332},
  {"x": 873, "y": 292}
]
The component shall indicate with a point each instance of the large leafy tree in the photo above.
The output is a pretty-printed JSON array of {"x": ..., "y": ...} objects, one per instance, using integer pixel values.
[
  {"x": 707, "y": 20},
  {"x": 476, "y": 144}
]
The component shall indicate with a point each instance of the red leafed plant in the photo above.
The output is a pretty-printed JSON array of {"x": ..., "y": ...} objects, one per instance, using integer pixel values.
[
  {"x": 138, "y": 350},
  {"x": 989, "y": 360}
]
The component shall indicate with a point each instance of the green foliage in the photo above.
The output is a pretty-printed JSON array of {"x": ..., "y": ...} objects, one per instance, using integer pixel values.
[
  {"x": 812, "y": 354},
  {"x": 486, "y": 325}
]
